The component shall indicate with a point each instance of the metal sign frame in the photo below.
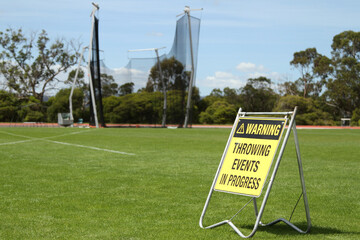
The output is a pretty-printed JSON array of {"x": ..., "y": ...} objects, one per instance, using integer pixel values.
[{"x": 259, "y": 213}]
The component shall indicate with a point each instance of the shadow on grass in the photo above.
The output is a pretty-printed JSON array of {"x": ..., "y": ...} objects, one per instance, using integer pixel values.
[{"x": 284, "y": 229}]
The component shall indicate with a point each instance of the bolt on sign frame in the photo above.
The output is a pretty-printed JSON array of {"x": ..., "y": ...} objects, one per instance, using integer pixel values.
[{"x": 221, "y": 179}]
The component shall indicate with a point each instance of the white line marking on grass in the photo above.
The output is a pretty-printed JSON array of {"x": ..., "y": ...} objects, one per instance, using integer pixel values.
[
  {"x": 94, "y": 148},
  {"x": 16, "y": 135},
  {"x": 66, "y": 134},
  {"x": 63, "y": 143},
  {"x": 8, "y": 143}
]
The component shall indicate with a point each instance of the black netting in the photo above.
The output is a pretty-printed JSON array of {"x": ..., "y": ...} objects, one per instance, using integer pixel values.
[{"x": 96, "y": 78}]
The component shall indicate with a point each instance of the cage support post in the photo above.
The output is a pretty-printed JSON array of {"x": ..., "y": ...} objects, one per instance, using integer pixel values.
[
  {"x": 92, "y": 93},
  {"x": 74, "y": 84},
  {"x": 163, "y": 122}
]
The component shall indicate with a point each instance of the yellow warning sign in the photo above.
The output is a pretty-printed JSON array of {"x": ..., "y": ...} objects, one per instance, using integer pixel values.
[{"x": 249, "y": 156}]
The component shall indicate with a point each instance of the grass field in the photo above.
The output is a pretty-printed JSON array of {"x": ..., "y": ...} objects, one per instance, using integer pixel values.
[{"x": 71, "y": 183}]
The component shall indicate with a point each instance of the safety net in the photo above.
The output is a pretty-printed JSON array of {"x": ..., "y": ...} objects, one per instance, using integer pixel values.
[{"x": 154, "y": 88}]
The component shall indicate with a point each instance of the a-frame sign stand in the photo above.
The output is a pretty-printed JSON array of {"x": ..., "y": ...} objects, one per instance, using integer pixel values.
[{"x": 247, "y": 159}]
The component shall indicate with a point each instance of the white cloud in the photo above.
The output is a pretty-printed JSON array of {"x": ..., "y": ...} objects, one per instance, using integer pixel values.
[
  {"x": 273, "y": 76},
  {"x": 252, "y": 70},
  {"x": 249, "y": 67},
  {"x": 221, "y": 80},
  {"x": 246, "y": 70},
  {"x": 123, "y": 75}
]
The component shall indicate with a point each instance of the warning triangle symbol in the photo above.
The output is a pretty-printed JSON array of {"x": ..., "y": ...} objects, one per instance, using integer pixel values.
[{"x": 241, "y": 129}]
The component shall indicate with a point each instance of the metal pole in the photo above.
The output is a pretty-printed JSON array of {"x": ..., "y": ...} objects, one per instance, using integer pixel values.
[
  {"x": 292, "y": 126},
  {"x": 302, "y": 179},
  {"x": 163, "y": 124},
  {"x": 187, "y": 115},
  {"x": 217, "y": 174},
  {"x": 276, "y": 167},
  {"x": 74, "y": 83},
  {"x": 96, "y": 7}
]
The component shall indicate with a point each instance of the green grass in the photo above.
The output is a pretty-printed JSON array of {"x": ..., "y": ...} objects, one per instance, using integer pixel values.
[{"x": 53, "y": 191}]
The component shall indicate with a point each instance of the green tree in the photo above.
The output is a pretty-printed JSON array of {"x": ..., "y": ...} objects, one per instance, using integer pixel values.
[
  {"x": 220, "y": 112},
  {"x": 291, "y": 88},
  {"x": 60, "y": 104},
  {"x": 196, "y": 101},
  {"x": 108, "y": 86},
  {"x": 215, "y": 95},
  {"x": 216, "y": 92},
  {"x": 306, "y": 62},
  {"x": 126, "y": 88},
  {"x": 31, "y": 110},
  {"x": 231, "y": 96},
  {"x": 174, "y": 76},
  {"x": 139, "y": 108},
  {"x": 258, "y": 95},
  {"x": 355, "y": 118},
  {"x": 32, "y": 65},
  {"x": 343, "y": 85},
  {"x": 109, "y": 104},
  {"x": 309, "y": 110},
  {"x": 80, "y": 81},
  {"x": 146, "y": 107},
  {"x": 175, "y": 79},
  {"x": 8, "y": 106}
]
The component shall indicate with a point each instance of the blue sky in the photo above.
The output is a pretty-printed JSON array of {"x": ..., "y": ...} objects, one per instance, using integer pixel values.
[{"x": 238, "y": 39}]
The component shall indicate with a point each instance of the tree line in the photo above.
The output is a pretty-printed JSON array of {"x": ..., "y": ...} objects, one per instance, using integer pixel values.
[{"x": 328, "y": 87}]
